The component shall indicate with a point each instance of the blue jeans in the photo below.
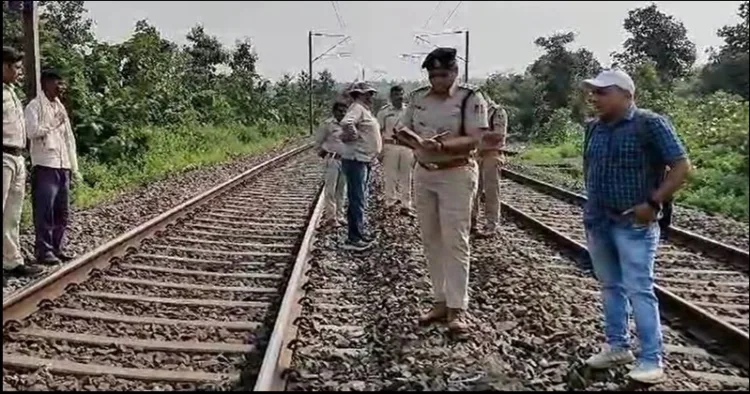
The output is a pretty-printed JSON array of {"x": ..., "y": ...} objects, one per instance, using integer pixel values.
[
  {"x": 622, "y": 254},
  {"x": 357, "y": 174}
]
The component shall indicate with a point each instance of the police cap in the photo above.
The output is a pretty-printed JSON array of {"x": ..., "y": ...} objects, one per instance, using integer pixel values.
[{"x": 440, "y": 58}]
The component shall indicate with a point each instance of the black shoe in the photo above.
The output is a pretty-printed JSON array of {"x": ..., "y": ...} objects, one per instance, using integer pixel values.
[
  {"x": 64, "y": 257},
  {"x": 26, "y": 270},
  {"x": 49, "y": 259},
  {"x": 406, "y": 211}
]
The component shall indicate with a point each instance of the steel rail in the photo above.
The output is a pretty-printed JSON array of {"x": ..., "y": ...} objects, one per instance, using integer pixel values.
[
  {"x": 738, "y": 258},
  {"x": 25, "y": 302},
  {"x": 702, "y": 324},
  {"x": 278, "y": 356}
]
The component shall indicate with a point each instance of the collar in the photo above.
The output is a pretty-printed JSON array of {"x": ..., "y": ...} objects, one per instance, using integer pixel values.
[
  {"x": 626, "y": 117},
  {"x": 451, "y": 92}
]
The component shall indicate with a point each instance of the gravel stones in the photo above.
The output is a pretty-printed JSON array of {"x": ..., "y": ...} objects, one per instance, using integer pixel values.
[
  {"x": 94, "y": 226},
  {"x": 531, "y": 329}
]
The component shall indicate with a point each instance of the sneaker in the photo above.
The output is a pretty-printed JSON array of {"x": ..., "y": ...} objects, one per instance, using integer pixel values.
[
  {"x": 26, "y": 270},
  {"x": 648, "y": 374},
  {"x": 341, "y": 221},
  {"x": 610, "y": 358},
  {"x": 357, "y": 246}
]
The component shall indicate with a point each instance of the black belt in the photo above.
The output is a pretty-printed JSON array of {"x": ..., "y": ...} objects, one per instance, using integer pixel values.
[
  {"x": 12, "y": 150},
  {"x": 331, "y": 155},
  {"x": 456, "y": 163}
]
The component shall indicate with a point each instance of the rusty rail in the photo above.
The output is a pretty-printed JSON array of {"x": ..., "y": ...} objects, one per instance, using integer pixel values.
[
  {"x": 25, "y": 302},
  {"x": 702, "y": 324},
  {"x": 738, "y": 258},
  {"x": 278, "y": 356}
]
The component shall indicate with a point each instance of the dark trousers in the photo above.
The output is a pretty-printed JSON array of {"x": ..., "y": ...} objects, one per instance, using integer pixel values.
[
  {"x": 357, "y": 174},
  {"x": 50, "y": 190}
]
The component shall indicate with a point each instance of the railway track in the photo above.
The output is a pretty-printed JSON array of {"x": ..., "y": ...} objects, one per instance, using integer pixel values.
[
  {"x": 701, "y": 283},
  {"x": 351, "y": 322},
  {"x": 184, "y": 301}
]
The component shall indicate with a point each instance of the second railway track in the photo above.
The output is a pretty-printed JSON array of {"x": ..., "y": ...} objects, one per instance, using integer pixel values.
[
  {"x": 182, "y": 302},
  {"x": 706, "y": 280}
]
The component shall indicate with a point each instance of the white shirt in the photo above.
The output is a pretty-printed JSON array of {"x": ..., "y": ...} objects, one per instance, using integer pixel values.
[
  {"x": 52, "y": 143},
  {"x": 367, "y": 144},
  {"x": 14, "y": 128}
]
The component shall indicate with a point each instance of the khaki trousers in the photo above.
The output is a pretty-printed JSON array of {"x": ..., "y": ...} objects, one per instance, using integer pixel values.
[
  {"x": 335, "y": 189},
  {"x": 14, "y": 183},
  {"x": 443, "y": 202},
  {"x": 488, "y": 190},
  {"x": 398, "y": 164}
]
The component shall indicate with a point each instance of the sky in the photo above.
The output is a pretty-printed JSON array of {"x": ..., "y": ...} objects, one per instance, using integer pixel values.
[{"x": 501, "y": 33}]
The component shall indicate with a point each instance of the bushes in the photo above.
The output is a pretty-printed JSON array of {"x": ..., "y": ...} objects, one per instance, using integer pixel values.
[
  {"x": 170, "y": 150},
  {"x": 714, "y": 130}
]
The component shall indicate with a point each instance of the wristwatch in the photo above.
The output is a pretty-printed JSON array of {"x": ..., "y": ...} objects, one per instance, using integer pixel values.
[{"x": 653, "y": 204}]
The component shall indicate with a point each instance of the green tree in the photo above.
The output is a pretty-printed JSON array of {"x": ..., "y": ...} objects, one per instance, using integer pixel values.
[
  {"x": 660, "y": 38},
  {"x": 729, "y": 67}
]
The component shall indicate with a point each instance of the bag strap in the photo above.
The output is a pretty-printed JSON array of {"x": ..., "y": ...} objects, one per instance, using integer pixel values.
[
  {"x": 462, "y": 129},
  {"x": 588, "y": 131}
]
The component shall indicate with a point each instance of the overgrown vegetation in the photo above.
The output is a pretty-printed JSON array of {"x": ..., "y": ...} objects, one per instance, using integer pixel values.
[
  {"x": 708, "y": 105},
  {"x": 147, "y": 106}
]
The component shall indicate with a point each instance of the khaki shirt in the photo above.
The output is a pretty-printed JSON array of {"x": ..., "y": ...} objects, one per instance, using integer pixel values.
[
  {"x": 388, "y": 117},
  {"x": 367, "y": 144},
  {"x": 328, "y": 136},
  {"x": 14, "y": 127},
  {"x": 498, "y": 124},
  {"x": 429, "y": 115}
]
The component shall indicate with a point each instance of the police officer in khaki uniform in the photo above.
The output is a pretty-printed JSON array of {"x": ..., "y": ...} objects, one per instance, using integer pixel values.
[
  {"x": 14, "y": 167},
  {"x": 450, "y": 119},
  {"x": 490, "y": 163},
  {"x": 330, "y": 148},
  {"x": 398, "y": 160}
]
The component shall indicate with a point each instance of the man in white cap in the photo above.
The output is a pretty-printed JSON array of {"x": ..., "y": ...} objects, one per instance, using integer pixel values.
[
  {"x": 626, "y": 152},
  {"x": 362, "y": 140}
]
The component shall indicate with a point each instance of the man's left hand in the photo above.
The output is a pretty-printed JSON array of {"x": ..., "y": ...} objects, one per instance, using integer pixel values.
[{"x": 644, "y": 213}]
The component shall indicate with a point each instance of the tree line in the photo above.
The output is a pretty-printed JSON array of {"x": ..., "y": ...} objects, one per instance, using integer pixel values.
[{"x": 115, "y": 90}]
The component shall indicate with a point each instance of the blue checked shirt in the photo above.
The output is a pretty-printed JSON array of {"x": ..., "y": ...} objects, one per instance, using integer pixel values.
[{"x": 623, "y": 167}]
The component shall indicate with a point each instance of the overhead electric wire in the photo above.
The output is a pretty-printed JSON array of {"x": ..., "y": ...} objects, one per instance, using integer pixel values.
[
  {"x": 434, "y": 11},
  {"x": 334, "y": 4},
  {"x": 451, "y": 14}
]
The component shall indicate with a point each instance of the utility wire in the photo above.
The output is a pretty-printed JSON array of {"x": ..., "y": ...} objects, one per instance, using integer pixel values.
[
  {"x": 434, "y": 11},
  {"x": 334, "y": 4},
  {"x": 451, "y": 14}
]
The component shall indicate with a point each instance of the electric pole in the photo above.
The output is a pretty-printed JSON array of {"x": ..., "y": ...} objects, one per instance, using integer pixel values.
[
  {"x": 421, "y": 38},
  {"x": 466, "y": 60},
  {"x": 310, "y": 75},
  {"x": 30, "y": 20},
  {"x": 311, "y": 60}
]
